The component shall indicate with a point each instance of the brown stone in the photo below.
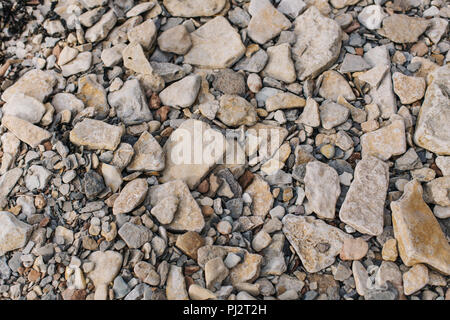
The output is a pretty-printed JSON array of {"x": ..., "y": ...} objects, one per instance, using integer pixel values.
[
  {"x": 189, "y": 243},
  {"x": 354, "y": 249}
]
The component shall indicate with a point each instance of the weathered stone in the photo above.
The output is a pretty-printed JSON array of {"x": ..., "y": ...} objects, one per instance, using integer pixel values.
[
  {"x": 339, "y": 4},
  {"x": 415, "y": 279},
  {"x": 67, "y": 54},
  {"x": 37, "y": 177},
  {"x": 26, "y": 131},
  {"x": 390, "y": 252},
  {"x": 363, "y": 206},
  {"x": 318, "y": 43},
  {"x": 310, "y": 115},
  {"x": 248, "y": 270},
  {"x": 334, "y": 85},
  {"x": 24, "y": 107},
  {"x": 176, "y": 286},
  {"x": 130, "y": 103},
  {"x": 385, "y": 142},
  {"x": 372, "y": 16},
  {"x": 106, "y": 266},
  {"x": 229, "y": 82},
  {"x": 134, "y": 59},
  {"x": 7, "y": 182},
  {"x": 112, "y": 177},
  {"x": 262, "y": 199},
  {"x": 353, "y": 63},
  {"x": 194, "y": 8},
  {"x": 100, "y": 30},
  {"x": 280, "y": 65},
  {"x": 176, "y": 40},
  {"x": 80, "y": 64},
  {"x": 255, "y": 63},
  {"x": 182, "y": 93},
  {"x": 354, "y": 249},
  {"x": 332, "y": 114},
  {"x": 165, "y": 210},
  {"x": 13, "y": 232},
  {"x": 235, "y": 111},
  {"x": 215, "y": 45},
  {"x": 197, "y": 292},
  {"x": 419, "y": 236},
  {"x": 144, "y": 34},
  {"x": 315, "y": 242},
  {"x": 134, "y": 235},
  {"x": 148, "y": 154},
  {"x": 401, "y": 28},
  {"x": 131, "y": 196},
  {"x": 93, "y": 95},
  {"x": 284, "y": 100},
  {"x": 92, "y": 184},
  {"x": 432, "y": 130},
  {"x": 437, "y": 29},
  {"x": 189, "y": 243},
  {"x": 408, "y": 89},
  {"x": 192, "y": 139},
  {"x": 266, "y": 23},
  {"x": 34, "y": 83},
  {"x": 95, "y": 134},
  {"x": 437, "y": 191},
  {"x": 215, "y": 272},
  {"x": 67, "y": 101},
  {"x": 188, "y": 216}
]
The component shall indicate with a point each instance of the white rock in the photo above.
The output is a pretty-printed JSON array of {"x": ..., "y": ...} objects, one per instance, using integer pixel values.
[
  {"x": 67, "y": 54},
  {"x": 280, "y": 65},
  {"x": 100, "y": 30},
  {"x": 372, "y": 16},
  {"x": 24, "y": 107},
  {"x": 81, "y": 63},
  {"x": 182, "y": 93},
  {"x": 13, "y": 232}
]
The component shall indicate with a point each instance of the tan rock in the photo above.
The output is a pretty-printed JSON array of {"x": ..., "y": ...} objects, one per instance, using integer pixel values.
[
  {"x": 215, "y": 272},
  {"x": 144, "y": 34},
  {"x": 415, "y": 279},
  {"x": 401, "y": 28},
  {"x": 199, "y": 293},
  {"x": 131, "y": 196},
  {"x": 419, "y": 236},
  {"x": 235, "y": 111},
  {"x": 176, "y": 286},
  {"x": 191, "y": 152},
  {"x": 93, "y": 95},
  {"x": 363, "y": 207},
  {"x": 14, "y": 233},
  {"x": 148, "y": 154},
  {"x": 176, "y": 40},
  {"x": 194, "y": 8},
  {"x": 95, "y": 134},
  {"x": 189, "y": 243},
  {"x": 437, "y": 191},
  {"x": 310, "y": 115},
  {"x": 315, "y": 242},
  {"x": 334, "y": 85},
  {"x": 134, "y": 59},
  {"x": 248, "y": 270},
  {"x": 353, "y": 249},
  {"x": 322, "y": 189},
  {"x": 263, "y": 141},
  {"x": 216, "y": 44},
  {"x": 26, "y": 131},
  {"x": 385, "y": 142},
  {"x": 106, "y": 266},
  {"x": 284, "y": 100},
  {"x": 408, "y": 89},
  {"x": 262, "y": 199},
  {"x": 390, "y": 252},
  {"x": 280, "y": 65},
  {"x": 339, "y": 4},
  {"x": 188, "y": 216}
]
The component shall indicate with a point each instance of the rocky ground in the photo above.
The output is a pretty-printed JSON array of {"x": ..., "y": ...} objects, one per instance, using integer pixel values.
[{"x": 344, "y": 191}]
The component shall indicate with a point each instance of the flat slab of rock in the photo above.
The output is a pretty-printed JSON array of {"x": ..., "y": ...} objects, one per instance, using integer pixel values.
[
  {"x": 182, "y": 93},
  {"x": 34, "y": 83},
  {"x": 194, "y": 8},
  {"x": 419, "y": 236},
  {"x": 13, "y": 232},
  {"x": 26, "y": 131},
  {"x": 432, "y": 129},
  {"x": 267, "y": 22},
  {"x": 334, "y": 85},
  {"x": 318, "y": 43},
  {"x": 81, "y": 63},
  {"x": 191, "y": 152},
  {"x": 363, "y": 207},
  {"x": 322, "y": 188},
  {"x": 408, "y": 89},
  {"x": 148, "y": 154},
  {"x": 96, "y": 134},
  {"x": 131, "y": 196},
  {"x": 176, "y": 285},
  {"x": 188, "y": 216},
  {"x": 316, "y": 243},
  {"x": 135, "y": 236},
  {"x": 385, "y": 142},
  {"x": 401, "y": 28},
  {"x": 262, "y": 199},
  {"x": 130, "y": 103},
  {"x": 215, "y": 45}
]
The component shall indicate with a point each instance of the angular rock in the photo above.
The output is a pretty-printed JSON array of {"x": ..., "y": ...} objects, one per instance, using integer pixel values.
[
  {"x": 165, "y": 210},
  {"x": 144, "y": 34},
  {"x": 14, "y": 233},
  {"x": 332, "y": 114},
  {"x": 95, "y": 134},
  {"x": 385, "y": 142},
  {"x": 134, "y": 59},
  {"x": 176, "y": 40},
  {"x": 255, "y": 63},
  {"x": 92, "y": 184},
  {"x": 284, "y": 100},
  {"x": 24, "y": 107},
  {"x": 262, "y": 199},
  {"x": 408, "y": 89},
  {"x": 310, "y": 115},
  {"x": 322, "y": 189},
  {"x": 318, "y": 43},
  {"x": 191, "y": 152},
  {"x": 7, "y": 182},
  {"x": 81, "y": 63},
  {"x": 437, "y": 191},
  {"x": 229, "y": 82},
  {"x": 372, "y": 16},
  {"x": 432, "y": 130},
  {"x": 194, "y": 8},
  {"x": 189, "y": 243},
  {"x": 235, "y": 111},
  {"x": 148, "y": 154},
  {"x": 353, "y": 63},
  {"x": 363, "y": 207},
  {"x": 130, "y": 103},
  {"x": 415, "y": 279},
  {"x": 334, "y": 85},
  {"x": 134, "y": 235},
  {"x": 176, "y": 286},
  {"x": 26, "y": 131},
  {"x": 215, "y": 45},
  {"x": 419, "y": 236},
  {"x": 401, "y": 28},
  {"x": 100, "y": 30},
  {"x": 315, "y": 242},
  {"x": 132, "y": 195},
  {"x": 93, "y": 95},
  {"x": 188, "y": 216},
  {"x": 182, "y": 93},
  {"x": 67, "y": 101}
]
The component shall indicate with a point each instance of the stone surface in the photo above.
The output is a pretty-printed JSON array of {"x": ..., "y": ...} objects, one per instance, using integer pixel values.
[
  {"x": 310, "y": 115},
  {"x": 134, "y": 235},
  {"x": 280, "y": 65},
  {"x": 332, "y": 114},
  {"x": 95, "y": 134},
  {"x": 372, "y": 16},
  {"x": 353, "y": 249},
  {"x": 363, "y": 207},
  {"x": 284, "y": 100},
  {"x": 215, "y": 45},
  {"x": 194, "y": 8},
  {"x": 182, "y": 93},
  {"x": 315, "y": 242},
  {"x": 176, "y": 287},
  {"x": 176, "y": 40},
  {"x": 188, "y": 216},
  {"x": 408, "y": 89},
  {"x": 401, "y": 28},
  {"x": 415, "y": 279},
  {"x": 25, "y": 131},
  {"x": 322, "y": 189},
  {"x": 100, "y": 30},
  {"x": 436, "y": 191},
  {"x": 93, "y": 95},
  {"x": 334, "y": 85},
  {"x": 191, "y": 139},
  {"x": 165, "y": 210},
  {"x": 144, "y": 34},
  {"x": 80, "y": 64},
  {"x": 131, "y": 196},
  {"x": 419, "y": 236},
  {"x": 235, "y": 111},
  {"x": 106, "y": 266},
  {"x": 432, "y": 132},
  {"x": 189, "y": 243},
  {"x": 262, "y": 199},
  {"x": 148, "y": 154},
  {"x": 24, "y": 107},
  {"x": 385, "y": 142},
  {"x": 318, "y": 43},
  {"x": 14, "y": 233}
]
